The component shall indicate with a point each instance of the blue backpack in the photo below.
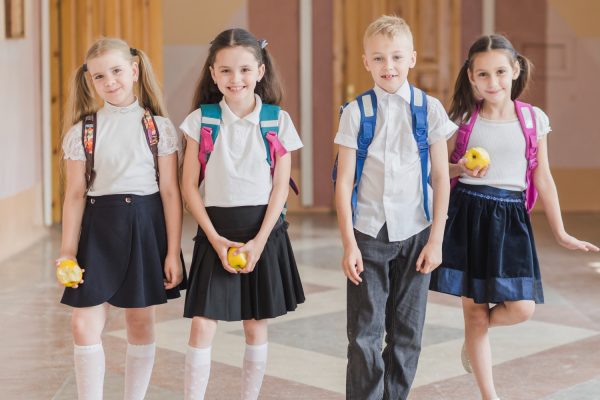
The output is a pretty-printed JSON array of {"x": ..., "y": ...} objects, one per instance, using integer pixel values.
[{"x": 367, "y": 104}]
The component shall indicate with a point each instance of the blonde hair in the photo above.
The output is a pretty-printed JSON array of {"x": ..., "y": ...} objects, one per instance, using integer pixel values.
[
  {"x": 82, "y": 100},
  {"x": 388, "y": 25}
]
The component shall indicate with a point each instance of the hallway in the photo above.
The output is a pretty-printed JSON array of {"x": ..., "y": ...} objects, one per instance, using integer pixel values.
[{"x": 554, "y": 356}]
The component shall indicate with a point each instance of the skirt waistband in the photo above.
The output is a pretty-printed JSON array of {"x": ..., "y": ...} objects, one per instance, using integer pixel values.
[
  {"x": 491, "y": 193},
  {"x": 121, "y": 199}
]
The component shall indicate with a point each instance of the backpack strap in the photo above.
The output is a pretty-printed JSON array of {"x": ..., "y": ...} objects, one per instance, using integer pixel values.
[
  {"x": 88, "y": 140},
  {"x": 462, "y": 140},
  {"x": 152, "y": 137},
  {"x": 209, "y": 130},
  {"x": 418, "y": 110},
  {"x": 527, "y": 120}
]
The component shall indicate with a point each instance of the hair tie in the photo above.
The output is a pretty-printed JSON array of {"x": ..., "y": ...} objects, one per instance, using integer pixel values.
[
  {"x": 84, "y": 67},
  {"x": 133, "y": 51},
  {"x": 262, "y": 43}
]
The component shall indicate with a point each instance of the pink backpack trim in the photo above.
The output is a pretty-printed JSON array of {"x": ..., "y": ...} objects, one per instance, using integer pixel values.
[{"x": 527, "y": 121}]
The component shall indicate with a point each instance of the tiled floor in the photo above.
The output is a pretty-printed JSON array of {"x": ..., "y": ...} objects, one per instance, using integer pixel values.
[{"x": 555, "y": 356}]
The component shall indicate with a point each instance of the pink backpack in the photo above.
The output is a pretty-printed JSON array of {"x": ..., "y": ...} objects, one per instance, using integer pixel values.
[{"x": 527, "y": 121}]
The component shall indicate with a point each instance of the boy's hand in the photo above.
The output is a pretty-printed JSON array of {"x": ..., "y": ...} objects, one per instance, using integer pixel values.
[
  {"x": 430, "y": 258},
  {"x": 173, "y": 272},
  {"x": 475, "y": 173},
  {"x": 221, "y": 245},
  {"x": 253, "y": 250},
  {"x": 572, "y": 243},
  {"x": 352, "y": 264}
]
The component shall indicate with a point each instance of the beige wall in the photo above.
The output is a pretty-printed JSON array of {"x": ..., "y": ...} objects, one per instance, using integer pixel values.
[{"x": 20, "y": 165}]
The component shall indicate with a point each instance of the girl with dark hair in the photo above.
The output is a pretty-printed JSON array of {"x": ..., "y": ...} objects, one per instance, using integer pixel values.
[
  {"x": 489, "y": 253},
  {"x": 238, "y": 204}
]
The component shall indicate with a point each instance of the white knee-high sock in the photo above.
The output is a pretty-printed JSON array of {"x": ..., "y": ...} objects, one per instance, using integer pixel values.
[
  {"x": 197, "y": 371},
  {"x": 255, "y": 363},
  {"x": 138, "y": 369},
  {"x": 89, "y": 371}
]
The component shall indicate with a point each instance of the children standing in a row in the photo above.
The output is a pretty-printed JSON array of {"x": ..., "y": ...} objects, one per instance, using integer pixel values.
[
  {"x": 489, "y": 253},
  {"x": 392, "y": 245},
  {"x": 240, "y": 200},
  {"x": 121, "y": 218}
]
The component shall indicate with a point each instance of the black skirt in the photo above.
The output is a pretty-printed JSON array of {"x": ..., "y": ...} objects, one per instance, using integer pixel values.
[
  {"x": 489, "y": 251},
  {"x": 122, "y": 247},
  {"x": 272, "y": 289}
]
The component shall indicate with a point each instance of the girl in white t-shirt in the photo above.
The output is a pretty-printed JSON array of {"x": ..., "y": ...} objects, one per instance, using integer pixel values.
[
  {"x": 121, "y": 219},
  {"x": 239, "y": 204},
  {"x": 488, "y": 252}
]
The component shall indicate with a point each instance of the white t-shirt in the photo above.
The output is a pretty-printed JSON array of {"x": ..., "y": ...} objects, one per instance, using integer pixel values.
[
  {"x": 237, "y": 172},
  {"x": 505, "y": 143},
  {"x": 122, "y": 158},
  {"x": 390, "y": 188}
]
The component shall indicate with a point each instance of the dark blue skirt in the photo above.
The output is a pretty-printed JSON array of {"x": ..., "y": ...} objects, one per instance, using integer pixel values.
[
  {"x": 272, "y": 289},
  {"x": 122, "y": 247},
  {"x": 489, "y": 251}
]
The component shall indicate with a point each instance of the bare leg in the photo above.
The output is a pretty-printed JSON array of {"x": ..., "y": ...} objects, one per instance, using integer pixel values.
[{"x": 511, "y": 312}]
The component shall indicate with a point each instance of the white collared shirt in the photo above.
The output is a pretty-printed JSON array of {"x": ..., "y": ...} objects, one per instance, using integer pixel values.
[
  {"x": 390, "y": 188},
  {"x": 237, "y": 173},
  {"x": 122, "y": 159}
]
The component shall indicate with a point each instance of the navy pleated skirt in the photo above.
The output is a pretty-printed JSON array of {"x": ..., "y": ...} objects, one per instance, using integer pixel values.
[
  {"x": 489, "y": 251},
  {"x": 272, "y": 289},
  {"x": 122, "y": 247}
]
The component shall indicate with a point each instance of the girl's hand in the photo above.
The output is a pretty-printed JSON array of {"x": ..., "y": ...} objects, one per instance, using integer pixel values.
[
  {"x": 221, "y": 245},
  {"x": 352, "y": 264},
  {"x": 430, "y": 258},
  {"x": 173, "y": 271},
  {"x": 573, "y": 243},
  {"x": 253, "y": 250},
  {"x": 68, "y": 257},
  {"x": 475, "y": 173}
]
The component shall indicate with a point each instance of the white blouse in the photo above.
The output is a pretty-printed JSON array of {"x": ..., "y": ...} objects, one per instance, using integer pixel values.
[
  {"x": 505, "y": 143},
  {"x": 237, "y": 172},
  {"x": 390, "y": 188},
  {"x": 122, "y": 159}
]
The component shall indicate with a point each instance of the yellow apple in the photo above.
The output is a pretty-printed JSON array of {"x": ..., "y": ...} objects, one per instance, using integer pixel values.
[
  {"x": 477, "y": 157},
  {"x": 237, "y": 261},
  {"x": 69, "y": 273}
]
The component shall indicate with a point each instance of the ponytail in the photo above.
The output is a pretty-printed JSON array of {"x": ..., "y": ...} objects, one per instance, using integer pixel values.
[
  {"x": 81, "y": 100},
  {"x": 463, "y": 99},
  {"x": 150, "y": 94},
  {"x": 269, "y": 88},
  {"x": 520, "y": 84}
]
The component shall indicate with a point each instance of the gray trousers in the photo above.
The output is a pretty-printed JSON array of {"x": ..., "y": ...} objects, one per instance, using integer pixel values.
[{"x": 391, "y": 296}]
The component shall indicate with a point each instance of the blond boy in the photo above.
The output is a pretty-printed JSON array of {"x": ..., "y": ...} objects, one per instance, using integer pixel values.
[{"x": 392, "y": 245}]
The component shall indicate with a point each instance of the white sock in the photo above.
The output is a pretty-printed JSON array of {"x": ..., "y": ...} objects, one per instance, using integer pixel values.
[
  {"x": 255, "y": 363},
  {"x": 89, "y": 371},
  {"x": 197, "y": 371},
  {"x": 138, "y": 369}
]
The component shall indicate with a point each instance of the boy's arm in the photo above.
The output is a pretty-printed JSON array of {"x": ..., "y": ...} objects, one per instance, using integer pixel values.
[
  {"x": 352, "y": 260},
  {"x": 431, "y": 256},
  {"x": 549, "y": 197}
]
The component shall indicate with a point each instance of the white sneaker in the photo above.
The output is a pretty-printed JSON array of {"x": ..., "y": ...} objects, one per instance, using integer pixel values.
[{"x": 464, "y": 357}]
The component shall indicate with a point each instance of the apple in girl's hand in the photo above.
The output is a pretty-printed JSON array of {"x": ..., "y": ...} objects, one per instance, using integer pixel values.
[
  {"x": 237, "y": 261},
  {"x": 69, "y": 273},
  {"x": 477, "y": 157}
]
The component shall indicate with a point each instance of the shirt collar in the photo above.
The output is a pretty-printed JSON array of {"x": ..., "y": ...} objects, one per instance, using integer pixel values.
[
  {"x": 403, "y": 92},
  {"x": 228, "y": 117},
  {"x": 135, "y": 106}
]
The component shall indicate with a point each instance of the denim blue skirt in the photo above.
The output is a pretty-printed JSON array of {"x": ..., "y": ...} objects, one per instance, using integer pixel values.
[
  {"x": 489, "y": 251},
  {"x": 272, "y": 289},
  {"x": 122, "y": 247}
]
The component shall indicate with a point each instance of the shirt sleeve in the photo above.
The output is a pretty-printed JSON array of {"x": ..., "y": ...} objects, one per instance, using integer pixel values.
[
  {"x": 169, "y": 138},
  {"x": 542, "y": 123},
  {"x": 191, "y": 125},
  {"x": 72, "y": 146},
  {"x": 349, "y": 126},
  {"x": 440, "y": 126},
  {"x": 287, "y": 132}
]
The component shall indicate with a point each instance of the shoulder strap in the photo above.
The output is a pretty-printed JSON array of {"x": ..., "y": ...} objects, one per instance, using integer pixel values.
[
  {"x": 88, "y": 140},
  {"x": 152, "y": 137},
  {"x": 420, "y": 127},
  {"x": 367, "y": 105},
  {"x": 209, "y": 130},
  {"x": 526, "y": 117},
  {"x": 462, "y": 140}
]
